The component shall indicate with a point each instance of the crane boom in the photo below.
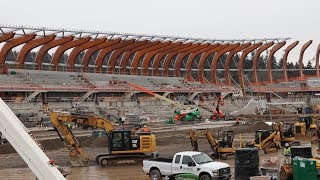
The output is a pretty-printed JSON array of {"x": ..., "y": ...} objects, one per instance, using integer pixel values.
[
  {"x": 173, "y": 103},
  {"x": 26, "y": 147}
]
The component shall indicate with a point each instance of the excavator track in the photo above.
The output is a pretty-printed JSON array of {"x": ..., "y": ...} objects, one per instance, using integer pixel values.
[{"x": 120, "y": 159}]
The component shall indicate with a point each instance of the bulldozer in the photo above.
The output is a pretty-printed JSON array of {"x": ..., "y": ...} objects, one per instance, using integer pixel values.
[{"x": 221, "y": 147}]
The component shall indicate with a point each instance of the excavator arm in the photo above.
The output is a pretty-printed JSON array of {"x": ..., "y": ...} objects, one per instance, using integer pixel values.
[
  {"x": 194, "y": 137},
  {"x": 77, "y": 156}
]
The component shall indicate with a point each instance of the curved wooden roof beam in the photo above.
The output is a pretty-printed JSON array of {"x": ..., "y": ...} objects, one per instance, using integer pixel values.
[
  {"x": 285, "y": 58},
  {"x": 125, "y": 59},
  {"x": 6, "y": 36},
  {"x": 103, "y": 52},
  {"x": 303, "y": 49},
  {"x": 115, "y": 55},
  {"x": 193, "y": 56},
  {"x": 317, "y": 61},
  {"x": 274, "y": 49},
  {"x": 13, "y": 43},
  {"x": 221, "y": 51},
  {"x": 46, "y": 47},
  {"x": 157, "y": 60},
  {"x": 169, "y": 57},
  {"x": 78, "y": 49},
  {"x": 87, "y": 55},
  {"x": 148, "y": 57},
  {"x": 181, "y": 56},
  {"x": 256, "y": 59},
  {"x": 140, "y": 54},
  {"x": 64, "y": 47},
  {"x": 240, "y": 64},
  {"x": 228, "y": 60},
  {"x": 31, "y": 45}
]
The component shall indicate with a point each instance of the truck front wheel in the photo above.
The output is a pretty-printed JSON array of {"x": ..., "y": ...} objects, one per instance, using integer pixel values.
[
  {"x": 155, "y": 174},
  {"x": 205, "y": 177}
]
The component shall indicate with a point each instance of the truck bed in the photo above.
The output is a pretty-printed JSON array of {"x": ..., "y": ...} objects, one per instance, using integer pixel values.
[{"x": 168, "y": 160}]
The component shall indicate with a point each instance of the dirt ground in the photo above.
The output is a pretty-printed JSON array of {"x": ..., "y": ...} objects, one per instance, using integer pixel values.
[{"x": 170, "y": 139}]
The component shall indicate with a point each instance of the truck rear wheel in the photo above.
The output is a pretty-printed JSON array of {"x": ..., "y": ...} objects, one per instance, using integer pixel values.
[
  {"x": 205, "y": 177},
  {"x": 155, "y": 174}
]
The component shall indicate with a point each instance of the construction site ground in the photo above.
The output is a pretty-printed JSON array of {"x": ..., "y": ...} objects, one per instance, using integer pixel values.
[{"x": 170, "y": 139}]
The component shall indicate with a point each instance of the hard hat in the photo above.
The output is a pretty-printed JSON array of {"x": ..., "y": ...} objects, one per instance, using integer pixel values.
[
  {"x": 145, "y": 125},
  {"x": 286, "y": 145}
]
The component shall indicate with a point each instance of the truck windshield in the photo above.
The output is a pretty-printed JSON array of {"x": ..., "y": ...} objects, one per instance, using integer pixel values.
[{"x": 202, "y": 158}]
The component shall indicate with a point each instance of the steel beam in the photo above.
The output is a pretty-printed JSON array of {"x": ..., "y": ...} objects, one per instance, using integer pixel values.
[
  {"x": 274, "y": 49},
  {"x": 220, "y": 51},
  {"x": 64, "y": 47},
  {"x": 103, "y": 52},
  {"x": 46, "y": 47},
  {"x": 240, "y": 64},
  {"x": 148, "y": 57},
  {"x": 303, "y": 49},
  {"x": 31, "y": 45},
  {"x": 228, "y": 60},
  {"x": 13, "y": 43},
  {"x": 285, "y": 58},
  {"x": 256, "y": 59}
]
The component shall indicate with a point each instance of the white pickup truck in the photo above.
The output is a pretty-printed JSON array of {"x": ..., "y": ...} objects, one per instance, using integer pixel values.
[{"x": 190, "y": 164}]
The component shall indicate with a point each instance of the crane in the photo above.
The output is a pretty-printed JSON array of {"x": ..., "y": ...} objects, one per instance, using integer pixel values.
[{"x": 123, "y": 144}]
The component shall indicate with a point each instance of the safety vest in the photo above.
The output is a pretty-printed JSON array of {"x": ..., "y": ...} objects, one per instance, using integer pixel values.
[{"x": 287, "y": 151}]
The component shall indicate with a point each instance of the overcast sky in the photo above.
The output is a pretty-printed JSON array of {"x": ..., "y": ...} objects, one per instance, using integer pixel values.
[{"x": 214, "y": 19}]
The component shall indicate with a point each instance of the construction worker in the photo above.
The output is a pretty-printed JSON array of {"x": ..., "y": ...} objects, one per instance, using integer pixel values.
[
  {"x": 237, "y": 121},
  {"x": 287, "y": 154},
  {"x": 145, "y": 128}
]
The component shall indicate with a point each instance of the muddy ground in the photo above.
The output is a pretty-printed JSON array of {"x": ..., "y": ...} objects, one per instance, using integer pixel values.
[{"x": 170, "y": 139}]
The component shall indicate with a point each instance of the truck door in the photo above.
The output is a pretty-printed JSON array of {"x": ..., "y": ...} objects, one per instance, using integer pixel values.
[
  {"x": 185, "y": 167},
  {"x": 176, "y": 165}
]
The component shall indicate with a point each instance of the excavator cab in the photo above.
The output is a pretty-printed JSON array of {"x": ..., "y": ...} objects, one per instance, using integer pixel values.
[
  {"x": 261, "y": 135},
  {"x": 225, "y": 139},
  {"x": 288, "y": 130},
  {"x": 303, "y": 125}
]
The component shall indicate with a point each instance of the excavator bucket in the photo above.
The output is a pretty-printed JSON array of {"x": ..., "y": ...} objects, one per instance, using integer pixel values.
[{"x": 75, "y": 159}]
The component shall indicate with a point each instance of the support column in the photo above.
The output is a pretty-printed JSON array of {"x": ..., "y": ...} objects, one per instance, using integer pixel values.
[
  {"x": 193, "y": 95},
  {"x": 317, "y": 61},
  {"x": 103, "y": 52},
  {"x": 156, "y": 62},
  {"x": 46, "y": 47},
  {"x": 64, "y": 47},
  {"x": 228, "y": 60},
  {"x": 255, "y": 61},
  {"x": 13, "y": 43},
  {"x": 303, "y": 49},
  {"x": 270, "y": 59},
  {"x": 193, "y": 56},
  {"x": 86, "y": 58},
  {"x": 285, "y": 58},
  {"x": 147, "y": 59},
  {"x": 220, "y": 52},
  {"x": 78, "y": 49},
  {"x": 31, "y": 96},
  {"x": 139, "y": 55},
  {"x": 31, "y": 45},
  {"x": 169, "y": 57},
  {"x": 85, "y": 96},
  {"x": 165, "y": 94},
  {"x": 240, "y": 65}
]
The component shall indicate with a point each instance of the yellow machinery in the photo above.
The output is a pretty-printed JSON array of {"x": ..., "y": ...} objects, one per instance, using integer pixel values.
[
  {"x": 268, "y": 141},
  {"x": 222, "y": 147},
  {"x": 287, "y": 132},
  {"x": 123, "y": 144},
  {"x": 306, "y": 122}
]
